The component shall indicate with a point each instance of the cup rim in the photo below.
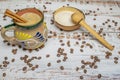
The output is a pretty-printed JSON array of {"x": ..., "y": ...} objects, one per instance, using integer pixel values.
[
  {"x": 34, "y": 10},
  {"x": 73, "y": 27}
]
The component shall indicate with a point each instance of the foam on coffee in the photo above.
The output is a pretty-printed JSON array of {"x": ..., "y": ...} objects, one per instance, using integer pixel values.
[{"x": 31, "y": 18}]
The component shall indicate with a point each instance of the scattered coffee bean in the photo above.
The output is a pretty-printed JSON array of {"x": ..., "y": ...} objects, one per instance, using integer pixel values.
[
  {"x": 49, "y": 64},
  {"x": 61, "y": 67},
  {"x": 116, "y": 62},
  {"x": 39, "y": 57},
  {"x": 98, "y": 9},
  {"x": 81, "y": 50},
  {"x": 8, "y": 44},
  {"x": 77, "y": 42},
  {"x": 94, "y": 26},
  {"x": 82, "y": 61},
  {"x": 33, "y": 68},
  {"x": 58, "y": 55},
  {"x": 108, "y": 20},
  {"x": 13, "y": 60},
  {"x": 47, "y": 56},
  {"x": 61, "y": 41},
  {"x": 5, "y": 58},
  {"x": 71, "y": 50},
  {"x": 95, "y": 66},
  {"x": 95, "y": 14},
  {"x": 14, "y": 51},
  {"x": 4, "y": 74},
  {"x": 110, "y": 8},
  {"x": 92, "y": 57},
  {"x": 103, "y": 23},
  {"x": 83, "y": 66},
  {"x": 30, "y": 50},
  {"x": 68, "y": 43},
  {"x": 62, "y": 44},
  {"x": 115, "y": 58},
  {"x": 81, "y": 77},
  {"x": 118, "y": 52},
  {"x": 83, "y": 42},
  {"x": 58, "y": 61},
  {"x": 77, "y": 68},
  {"x": 5, "y": 41},
  {"x": 99, "y": 76},
  {"x": 109, "y": 26},
  {"x": 24, "y": 68},
  {"x": 5, "y": 65},
  {"x": 30, "y": 65},
  {"x": 85, "y": 71},
  {"x": 36, "y": 66},
  {"x": 82, "y": 46}
]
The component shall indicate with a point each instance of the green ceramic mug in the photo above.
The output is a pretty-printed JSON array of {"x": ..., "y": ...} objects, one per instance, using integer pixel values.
[{"x": 30, "y": 35}]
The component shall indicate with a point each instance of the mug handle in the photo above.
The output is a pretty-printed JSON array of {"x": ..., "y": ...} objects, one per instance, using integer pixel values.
[{"x": 5, "y": 29}]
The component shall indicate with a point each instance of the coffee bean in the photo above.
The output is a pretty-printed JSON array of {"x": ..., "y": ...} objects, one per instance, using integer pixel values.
[
  {"x": 99, "y": 76},
  {"x": 116, "y": 62},
  {"x": 71, "y": 50},
  {"x": 95, "y": 66},
  {"x": 103, "y": 23},
  {"x": 5, "y": 58},
  {"x": 61, "y": 67},
  {"x": 108, "y": 20},
  {"x": 58, "y": 61},
  {"x": 24, "y": 68},
  {"x": 92, "y": 57},
  {"x": 0, "y": 66},
  {"x": 21, "y": 58},
  {"x": 115, "y": 58},
  {"x": 8, "y": 44},
  {"x": 5, "y": 65},
  {"x": 83, "y": 42},
  {"x": 109, "y": 26},
  {"x": 47, "y": 56},
  {"x": 68, "y": 43},
  {"x": 62, "y": 44},
  {"x": 5, "y": 41},
  {"x": 81, "y": 77},
  {"x": 77, "y": 68},
  {"x": 61, "y": 41},
  {"x": 81, "y": 50},
  {"x": 82, "y": 46},
  {"x": 14, "y": 51},
  {"x": 94, "y": 26},
  {"x": 95, "y": 14},
  {"x": 118, "y": 52},
  {"x": 13, "y": 60},
  {"x": 82, "y": 61},
  {"x": 39, "y": 57},
  {"x": 36, "y": 66},
  {"x": 110, "y": 8},
  {"x": 94, "y": 18},
  {"x": 30, "y": 50},
  {"x": 58, "y": 55},
  {"x": 33, "y": 68},
  {"x": 49, "y": 64},
  {"x": 83, "y": 66},
  {"x": 30, "y": 65},
  {"x": 77, "y": 43},
  {"x": 85, "y": 71},
  {"x": 4, "y": 74}
]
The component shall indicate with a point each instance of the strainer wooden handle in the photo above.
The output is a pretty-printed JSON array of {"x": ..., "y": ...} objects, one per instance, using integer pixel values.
[{"x": 97, "y": 36}]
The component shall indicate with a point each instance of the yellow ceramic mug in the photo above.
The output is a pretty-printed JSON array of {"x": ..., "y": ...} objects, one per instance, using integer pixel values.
[{"x": 30, "y": 35}]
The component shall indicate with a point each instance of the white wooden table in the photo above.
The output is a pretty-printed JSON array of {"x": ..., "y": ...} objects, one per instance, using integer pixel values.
[{"x": 101, "y": 15}]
